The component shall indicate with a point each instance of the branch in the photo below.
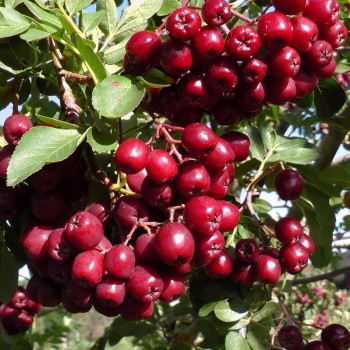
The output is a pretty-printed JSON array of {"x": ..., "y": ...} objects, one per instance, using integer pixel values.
[{"x": 325, "y": 276}]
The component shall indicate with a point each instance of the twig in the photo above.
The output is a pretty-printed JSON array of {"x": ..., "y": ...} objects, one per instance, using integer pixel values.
[
  {"x": 76, "y": 77},
  {"x": 285, "y": 311},
  {"x": 16, "y": 87},
  {"x": 242, "y": 17},
  {"x": 324, "y": 276}
]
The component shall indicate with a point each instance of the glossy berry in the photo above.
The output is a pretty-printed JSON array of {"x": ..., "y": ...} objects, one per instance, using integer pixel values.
[
  {"x": 275, "y": 30},
  {"x": 319, "y": 55},
  {"x": 174, "y": 287},
  {"x": 323, "y": 12},
  {"x": 208, "y": 248},
  {"x": 242, "y": 273},
  {"x": 183, "y": 23},
  {"x": 288, "y": 230},
  {"x": 242, "y": 42},
  {"x": 280, "y": 91},
  {"x": 144, "y": 250},
  {"x": 230, "y": 216},
  {"x": 247, "y": 250},
  {"x": 335, "y": 35},
  {"x": 305, "y": 81},
  {"x": 253, "y": 71},
  {"x": 226, "y": 112},
  {"x": 290, "y": 7},
  {"x": 290, "y": 337},
  {"x": 175, "y": 57},
  {"x": 15, "y": 126},
  {"x": 327, "y": 71},
  {"x": 19, "y": 300},
  {"x": 316, "y": 345},
  {"x": 120, "y": 261},
  {"x": 34, "y": 242},
  {"x": 161, "y": 166},
  {"x": 193, "y": 91},
  {"x": 198, "y": 139},
  {"x": 266, "y": 269},
  {"x": 220, "y": 267},
  {"x": 216, "y": 12},
  {"x": 335, "y": 335},
  {"x": 239, "y": 143},
  {"x": 131, "y": 156},
  {"x": 174, "y": 244},
  {"x": 283, "y": 63},
  {"x": 294, "y": 258},
  {"x": 289, "y": 184},
  {"x": 305, "y": 33},
  {"x": 134, "y": 181},
  {"x": 84, "y": 231},
  {"x": 132, "y": 309},
  {"x": 157, "y": 194},
  {"x": 203, "y": 215},
  {"x": 307, "y": 242},
  {"x": 5, "y": 155}
]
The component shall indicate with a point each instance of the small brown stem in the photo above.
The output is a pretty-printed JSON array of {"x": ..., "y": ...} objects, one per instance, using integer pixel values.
[
  {"x": 242, "y": 17},
  {"x": 76, "y": 77},
  {"x": 128, "y": 237},
  {"x": 285, "y": 311},
  {"x": 172, "y": 210},
  {"x": 15, "y": 99}
]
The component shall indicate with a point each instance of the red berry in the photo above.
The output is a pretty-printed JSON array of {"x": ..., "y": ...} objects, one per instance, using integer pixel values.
[
  {"x": 247, "y": 250},
  {"x": 290, "y": 337},
  {"x": 174, "y": 287},
  {"x": 157, "y": 194},
  {"x": 220, "y": 267},
  {"x": 288, "y": 230},
  {"x": 216, "y": 12},
  {"x": 327, "y": 71},
  {"x": 290, "y": 7},
  {"x": 316, "y": 345},
  {"x": 319, "y": 55},
  {"x": 134, "y": 181},
  {"x": 335, "y": 35},
  {"x": 110, "y": 291},
  {"x": 193, "y": 91},
  {"x": 35, "y": 242},
  {"x": 289, "y": 184},
  {"x": 253, "y": 71},
  {"x": 208, "y": 248},
  {"x": 19, "y": 300},
  {"x": 307, "y": 243},
  {"x": 266, "y": 269},
  {"x": 120, "y": 261},
  {"x": 305, "y": 81},
  {"x": 132, "y": 309},
  {"x": 280, "y": 91},
  {"x": 15, "y": 126},
  {"x": 283, "y": 63},
  {"x": 335, "y": 335},
  {"x": 294, "y": 258},
  {"x": 305, "y": 33},
  {"x": 239, "y": 143},
  {"x": 230, "y": 216},
  {"x": 5, "y": 156},
  {"x": 242, "y": 273},
  {"x": 323, "y": 12},
  {"x": 161, "y": 166}
]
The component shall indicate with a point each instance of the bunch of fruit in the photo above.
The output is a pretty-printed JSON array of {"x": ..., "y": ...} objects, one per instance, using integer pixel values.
[
  {"x": 334, "y": 336},
  {"x": 228, "y": 71},
  {"x": 17, "y": 315}
]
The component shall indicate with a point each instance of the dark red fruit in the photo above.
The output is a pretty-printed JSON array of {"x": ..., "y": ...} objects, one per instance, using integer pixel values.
[
  {"x": 88, "y": 268},
  {"x": 174, "y": 287},
  {"x": 193, "y": 91},
  {"x": 5, "y": 155},
  {"x": 82, "y": 297},
  {"x": 198, "y": 139},
  {"x": 59, "y": 271},
  {"x": 174, "y": 244},
  {"x": 305, "y": 33},
  {"x": 175, "y": 57},
  {"x": 247, "y": 250},
  {"x": 221, "y": 266},
  {"x": 110, "y": 291},
  {"x": 132, "y": 309},
  {"x": 280, "y": 91},
  {"x": 290, "y": 7},
  {"x": 294, "y": 258},
  {"x": 58, "y": 246},
  {"x": 226, "y": 112},
  {"x": 219, "y": 184},
  {"x": 283, "y": 63},
  {"x": 8, "y": 314},
  {"x": 335, "y": 35},
  {"x": 15, "y": 126},
  {"x": 35, "y": 242},
  {"x": 84, "y": 230},
  {"x": 289, "y": 184},
  {"x": 288, "y": 230},
  {"x": 319, "y": 55},
  {"x": 161, "y": 166},
  {"x": 216, "y": 12},
  {"x": 275, "y": 30},
  {"x": 266, "y": 269},
  {"x": 19, "y": 300},
  {"x": 323, "y": 12},
  {"x": 307, "y": 243},
  {"x": 242, "y": 42},
  {"x": 327, "y": 71},
  {"x": 134, "y": 181},
  {"x": 239, "y": 143},
  {"x": 157, "y": 194},
  {"x": 183, "y": 23},
  {"x": 335, "y": 335},
  {"x": 23, "y": 321},
  {"x": 208, "y": 248},
  {"x": 230, "y": 216},
  {"x": 120, "y": 261},
  {"x": 131, "y": 156},
  {"x": 253, "y": 71},
  {"x": 316, "y": 345},
  {"x": 242, "y": 273},
  {"x": 290, "y": 337},
  {"x": 305, "y": 81},
  {"x": 203, "y": 215},
  {"x": 144, "y": 250},
  {"x": 192, "y": 179},
  {"x": 49, "y": 293}
]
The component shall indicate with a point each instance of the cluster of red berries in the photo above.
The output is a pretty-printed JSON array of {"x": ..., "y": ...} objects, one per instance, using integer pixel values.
[
  {"x": 334, "y": 336},
  {"x": 230, "y": 73},
  {"x": 17, "y": 315}
]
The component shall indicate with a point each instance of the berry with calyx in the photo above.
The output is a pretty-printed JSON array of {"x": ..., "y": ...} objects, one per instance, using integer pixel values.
[
  {"x": 305, "y": 33},
  {"x": 208, "y": 248},
  {"x": 266, "y": 269},
  {"x": 15, "y": 126},
  {"x": 131, "y": 156},
  {"x": 161, "y": 166},
  {"x": 327, "y": 71},
  {"x": 319, "y": 55},
  {"x": 335, "y": 335},
  {"x": 193, "y": 91},
  {"x": 120, "y": 261},
  {"x": 239, "y": 143},
  {"x": 335, "y": 35},
  {"x": 221, "y": 266},
  {"x": 288, "y": 230},
  {"x": 289, "y": 184},
  {"x": 216, "y": 12},
  {"x": 253, "y": 71},
  {"x": 290, "y": 337},
  {"x": 294, "y": 258},
  {"x": 110, "y": 291},
  {"x": 247, "y": 250},
  {"x": 290, "y": 7},
  {"x": 283, "y": 63},
  {"x": 323, "y": 12},
  {"x": 174, "y": 287}
]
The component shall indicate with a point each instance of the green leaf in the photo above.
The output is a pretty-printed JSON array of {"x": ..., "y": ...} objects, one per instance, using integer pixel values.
[
  {"x": 267, "y": 310},
  {"x": 206, "y": 309},
  {"x": 168, "y": 7},
  {"x": 336, "y": 174},
  {"x": 109, "y": 22},
  {"x": 12, "y": 22},
  {"x": 261, "y": 205},
  {"x": 74, "y": 6},
  {"x": 257, "y": 148},
  {"x": 35, "y": 33},
  {"x": 43, "y": 16},
  {"x": 295, "y": 155},
  {"x": 242, "y": 323},
  {"x": 117, "y": 96},
  {"x": 135, "y": 16},
  {"x": 101, "y": 141},
  {"x": 329, "y": 98},
  {"x": 156, "y": 78},
  {"x": 12, "y": 3},
  {"x": 230, "y": 311},
  {"x": 91, "y": 20},
  {"x": 56, "y": 122},
  {"x": 39, "y": 146},
  {"x": 115, "y": 53},
  {"x": 234, "y": 340},
  {"x": 258, "y": 336},
  {"x": 268, "y": 135},
  {"x": 8, "y": 273},
  {"x": 90, "y": 58}
]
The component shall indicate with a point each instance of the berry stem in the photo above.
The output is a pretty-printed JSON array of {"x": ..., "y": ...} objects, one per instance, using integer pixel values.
[
  {"x": 242, "y": 17},
  {"x": 16, "y": 86},
  {"x": 285, "y": 311}
]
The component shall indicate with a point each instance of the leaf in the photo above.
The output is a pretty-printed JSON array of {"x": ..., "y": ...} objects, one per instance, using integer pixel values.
[
  {"x": 258, "y": 336},
  {"x": 156, "y": 78},
  {"x": 12, "y": 3},
  {"x": 117, "y": 96},
  {"x": 43, "y": 15},
  {"x": 234, "y": 340},
  {"x": 295, "y": 155},
  {"x": 101, "y": 141},
  {"x": 267, "y": 310},
  {"x": 206, "y": 309},
  {"x": 90, "y": 58},
  {"x": 135, "y": 16},
  {"x": 257, "y": 148},
  {"x": 39, "y": 146},
  {"x": 115, "y": 53},
  {"x": 261, "y": 205},
  {"x": 56, "y": 122},
  {"x": 242, "y": 323},
  {"x": 91, "y": 20},
  {"x": 336, "y": 174},
  {"x": 230, "y": 311},
  {"x": 168, "y": 7},
  {"x": 33, "y": 34},
  {"x": 109, "y": 22},
  {"x": 329, "y": 98},
  {"x": 12, "y": 22},
  {"x": 268, "y": 135},
  {"x": 8, "y": 273},
  {"x": 74, "y": 6}
]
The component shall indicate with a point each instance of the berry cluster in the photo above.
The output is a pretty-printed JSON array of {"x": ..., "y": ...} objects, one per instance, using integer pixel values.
[
  {"x": 334, "y": 336},
  {"x": 17, "y": 315},
  {"x": 229, "y": 73}
]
